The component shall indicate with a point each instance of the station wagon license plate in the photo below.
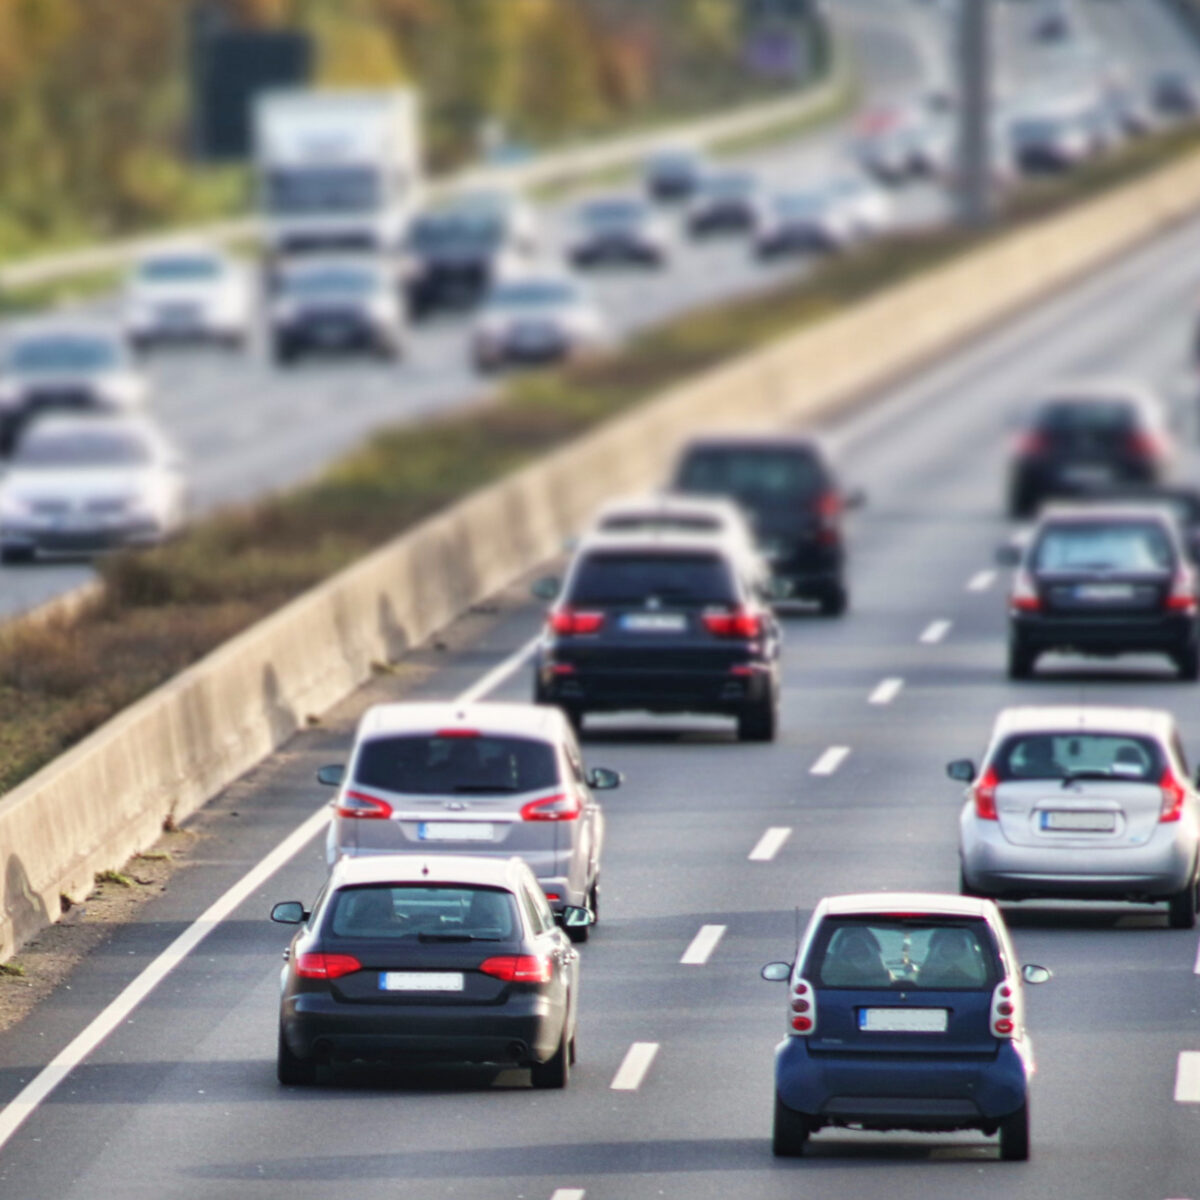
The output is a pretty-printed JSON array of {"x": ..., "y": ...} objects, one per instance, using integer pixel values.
[
  {"x": 420, "y": 981},
  {"x": 654, "y": 622},
  {"x": 455, "y": 831},
  {"x": 903, "y": 1020},
  {"x": 1104, "y": 591},
  {"x": 1079, "y": 822}
]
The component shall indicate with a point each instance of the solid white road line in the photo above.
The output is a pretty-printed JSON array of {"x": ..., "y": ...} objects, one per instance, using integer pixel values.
[
  {"x": 829, "y": 761},
  {"x": 769, "y": 843},
  {"x": 934, "y": 632},
  {"x": 26, "y": 1102},
  {"x": 981, "y": 581},
  {"x": 567, "y": 1194},
  {"x": 1196, "y": 968},
  {"x": 1187, "y": 1077},
  {"x": 886, "y": 692},
  {"x": 702, "y": 945},
  {"x": 633, "y": 1069}
]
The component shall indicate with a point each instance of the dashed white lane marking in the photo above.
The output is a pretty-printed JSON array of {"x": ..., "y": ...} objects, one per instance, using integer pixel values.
[
  {"x": 567, "y": 1194},
  {"x": 1187, "y": 1077},
  {"x": 934, "y": 632},
  {"x": 886, "y": 692},
  {"x": 702, "y": 945},
  {"x": 829, "y": 761},
  {"x": 633, "y": 1069},
  {"x": 769, "y": 844},
  {"x": 981, "y": 581},
  {"x": 1196, "y": 968}
]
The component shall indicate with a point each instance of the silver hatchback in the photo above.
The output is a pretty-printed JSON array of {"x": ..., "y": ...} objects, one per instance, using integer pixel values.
[{"x": 1082, "y": 803}]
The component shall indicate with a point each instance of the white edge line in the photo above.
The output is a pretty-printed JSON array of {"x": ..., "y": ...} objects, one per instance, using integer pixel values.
[
  {"x": 769, "y": 844},
  {"x": 634, "y": 1066},
  {"x": 700, "y": 948},
  {"x": 1187, "y": 1077}
]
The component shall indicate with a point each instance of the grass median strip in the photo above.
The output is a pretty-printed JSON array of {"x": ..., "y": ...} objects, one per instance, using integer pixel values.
[{"x": 163, "y": 609}]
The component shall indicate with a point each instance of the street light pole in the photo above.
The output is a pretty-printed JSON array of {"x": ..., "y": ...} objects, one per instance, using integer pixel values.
[{"x": 975, "y": 113}]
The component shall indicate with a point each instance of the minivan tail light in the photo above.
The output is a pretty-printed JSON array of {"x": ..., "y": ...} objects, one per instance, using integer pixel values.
[
  {"x": 1173, "y": 796},
  {"x": 563, "y": 807},
  {"x": 571, "y": 622},
  {"x": 802, "y": 1018},
  {"x": 1024, "y": 597},
  {"x": 737, "y": 623},
  {"x": 518, "y": 968},
  {"x": 1182, "y": 596},
  {"x": 315, "y": 965},
  {"x": 983, "y": 792},
  {"x": 363, "y": 806},
  {"x": 1005, "y": 1019}
]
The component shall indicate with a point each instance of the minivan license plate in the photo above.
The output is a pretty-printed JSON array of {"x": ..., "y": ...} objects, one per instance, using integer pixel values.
[
  {"x": 455, "y": 831},
  {"x": 902, "y": 1020},
  {"x": 420, "y": 981}
]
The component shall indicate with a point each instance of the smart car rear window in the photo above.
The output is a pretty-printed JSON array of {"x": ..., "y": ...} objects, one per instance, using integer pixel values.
[
  {"x": 1086, "y": 755},
  {"x": 424, "y": 913},
  {"x": 429, "y": 765},
  {"x": 635, "y": 579}
]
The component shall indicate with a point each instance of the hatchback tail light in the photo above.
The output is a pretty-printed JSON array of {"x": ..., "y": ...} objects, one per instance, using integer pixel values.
[
  {"x": 363, "y": 806},
  {"x": 983, "y": 792},
  {"x": 518, "y": 968},
  {"x": 803, "y": 1015},
  {"x": 563, "y": 807},
  {"x": 1005, "y": 1019},
  {"x": 570, "y": 622},
  {"x": 1182, "y": 596},
  {"x": 314, "y": 965},
  {"x": 736, "y": 623},
  {"x": 1024, "y": 596},
  {"x": 1173, "y": 796}
]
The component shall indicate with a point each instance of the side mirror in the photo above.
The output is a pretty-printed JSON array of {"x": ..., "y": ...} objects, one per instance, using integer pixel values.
[
  {"x": 574, "y": 917},
  {"x": 1032, "y": 973},
  {"x": 1008, "y": 555},
  {"x": 604, "y": 780},
  {"x": 962, "y": 769},
  {"x": 854, "y": 498},
  {"x": 290, "y": 912},
  {"x": 777, "y": 972},
  {"x": 332, "y": 775},
  {"x": 547, "y": 588}
]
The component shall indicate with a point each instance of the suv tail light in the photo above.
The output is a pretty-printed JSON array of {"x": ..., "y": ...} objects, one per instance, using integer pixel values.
[
  {"x": 1173, "y": 796},
  {"x": 518, "y": 968},
  {"x": 563, "y": 807},
  {"x": 737, "y": 623},
  {"x": 314, "y": 965},
  {"x": 983, "y": 792},
  {"x": 570, "y": 622},
  {"x": 1024, "y": 596},
  {"x": 363, "y": 806},
  {"x": 803, "y": 1015},
  {"x": 829, "y": 511},
  {"x": 1182, "y": 596},
  {"x": 1005, "y": 1018}
]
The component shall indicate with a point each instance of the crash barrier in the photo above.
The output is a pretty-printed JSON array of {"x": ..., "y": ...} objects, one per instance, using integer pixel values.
[{"x": 164, "y": 757}]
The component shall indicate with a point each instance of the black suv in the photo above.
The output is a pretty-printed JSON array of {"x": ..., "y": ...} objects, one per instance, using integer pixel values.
[
  {"x": 660, "y": 623},
  {"x": 1103, "y": 581},
  {"x": 789, "y": 492}
]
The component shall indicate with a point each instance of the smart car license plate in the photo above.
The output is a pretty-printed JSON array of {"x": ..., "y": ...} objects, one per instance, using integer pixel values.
[
  {"x": 902, "y": 1020},
  {"x": 654, "y": 622},
  {"x": 1104, "y": 591},
  {"x": 1079, "y": 822},
  {"x": 455, "y": 831},
  {"x": 420, "y": 981}
]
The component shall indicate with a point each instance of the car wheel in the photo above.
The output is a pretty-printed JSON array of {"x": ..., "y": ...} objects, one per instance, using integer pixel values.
[
  {"x": 964, "y": 888},
  {"x": 290, "y": 1069},
  {"x": 789, "y": 1132},
  {"x": 285, "y": 354},
  {"x": 834, "y": 600},
  {"x": 1021, "y": 659},
  {"x": 1014, "y": 1136},
  {"x": 555, "y": 1072},
  {"x": 758, "y": 722},
  {"x": 594, "y": 902},
  {"x": 572, "y": 1053},
  {"x": 12, "y": 555},
  {"x": 1187, "y": 661},
  {"x": 1181, "y": 909}
]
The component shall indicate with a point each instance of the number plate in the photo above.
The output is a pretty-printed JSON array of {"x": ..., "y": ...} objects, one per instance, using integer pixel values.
[
  {"x": 654, "y": 622},
  {"x": 455, "y": 831},
  {"x": 1104, "y": 591},
  {"x": 420, "y": 981},
  {"x": 902, "y": 1020},
  {"x": 1086, "y": 475},
  {"x": 1082, "y": 822}
]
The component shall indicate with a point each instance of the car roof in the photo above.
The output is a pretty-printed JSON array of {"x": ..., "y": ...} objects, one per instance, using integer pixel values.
[
  {"x": 653, "y": 541},
  {"x": 1094, "y": 514},
  {"x": 489, "y": 871},
  {"x": 910, "y": 903},
  {"x": 68, "y": 422},
  {"x": 1087, "y": 391},
  {"x": 672, "y": 504},
  {"x": 61, "y": 326},
  {"x": 488, "y": 717},
  {"x": 1083, "y": 718},
  {"x": 737, "y": 440},
  {"x": 309, "y": 264},
  {"x": 183, "y": 249}
]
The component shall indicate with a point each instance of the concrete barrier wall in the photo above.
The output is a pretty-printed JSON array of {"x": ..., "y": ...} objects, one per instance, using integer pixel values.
[{"x": 168, "y": 754}]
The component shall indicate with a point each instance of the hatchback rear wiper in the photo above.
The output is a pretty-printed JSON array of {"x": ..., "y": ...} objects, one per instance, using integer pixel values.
[
  {"x": 457, "y": 937},
  {"x": 1073, "y": 776}
]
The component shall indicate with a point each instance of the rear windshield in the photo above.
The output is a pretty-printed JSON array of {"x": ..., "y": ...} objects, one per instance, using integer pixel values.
[
  {"x": 1126, "y": 547},
  {"x": 1079, "y": 755},
  {"x": 425, "y": 765},
  {"x": 636, "y": 578},
  {"x": 395, "y": 911},
  {"x": 1097, "y": 416},
  {"x": 759, "y": 477},
  {"x": 902, "y": 953}
]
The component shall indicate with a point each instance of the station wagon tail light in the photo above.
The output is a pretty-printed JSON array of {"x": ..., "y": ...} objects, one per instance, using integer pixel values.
[
  {"x": 315, "y": 965},
  {"x": 518, "y": 968},
  {"x": 563, "y": 807},
  {"x": 1173, "y": 796},
  {"x": 737, "y": 623},
  {"x": 363, "y": 806},
  {"x": 1024, "y": 596},
  {"x": 983, "y": 792},
  {"x": 803, "y": 1014},
  {"x": 1005, "y": 1020},
  {"x": 1182, "y": 596},
  {"x": 571, "y": 622}
]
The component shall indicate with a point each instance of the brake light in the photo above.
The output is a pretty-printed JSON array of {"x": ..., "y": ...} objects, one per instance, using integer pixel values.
[
  {"x": 457, "y": 733},
  {"x": 829, "y": 510},
  {"x": 738, "y": 623},
  {"x": 1182, "y": 596},
  {"x": 983, "y": 792},
  {"x": 1030, "y": 443},
  {"x": 363, "y": 806},
  {"x": 1173, "y": 796},
  {"x": 563, "y": 807},
  {"x": 1144, "y": 445},
  {"x": 1024, "y": 596},
  {"x": 570, "y": 622},
  {"x": 518, "y": 968},
  {"x": 1005, "y": 1018},
  {"x": 803, "y": 1016},
  {"x": 315, "y": 965}
]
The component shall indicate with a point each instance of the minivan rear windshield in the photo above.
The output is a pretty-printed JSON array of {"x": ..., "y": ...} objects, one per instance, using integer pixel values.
[
  {"x": 1087, "y": 755},
  {"x": 759, "y": 477},
  {"x": 677, "y": 579},
  {"x": 905, "y": 953},
  {"x": 1128, "y": 546},
  {"x": 432, "y": 914},
  {"x": 432, "y": 765}
]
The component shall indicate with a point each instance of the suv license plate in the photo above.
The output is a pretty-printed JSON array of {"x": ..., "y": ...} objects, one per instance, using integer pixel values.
[
  {"x": 455, "y": 831},
  {"x": 902, "y": 1020},
  {"x": 420, "y": 981},
  {"x": 654, "y": 622}
]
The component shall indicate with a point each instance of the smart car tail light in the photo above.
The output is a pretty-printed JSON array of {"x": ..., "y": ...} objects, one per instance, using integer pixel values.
[
  {"x": 315, "y": 965},
  {"x": 803, "y": 1015},
  {"x": 518, "y": 968},
  {"x": 737, "y": 623},
  {"x": 563, "y": 807},
  {"x": 1024, "y": 597},
  {"x": 1182, "y": 596},
  {"x": 1173, "y": 796},
  {"x": 363, "y": 806},
  {"x": 983, "y": 792},
  {"x": 570, "y": 622},
  {"x": 1005, "y": 1019}
]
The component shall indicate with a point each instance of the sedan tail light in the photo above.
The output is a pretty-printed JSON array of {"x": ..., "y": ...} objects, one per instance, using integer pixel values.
[
  {"x": 736, "y": 623},
  {"x": 518, "y": 968},
  {"x": 563, "y": 807},
  {"x": 1173, "y": 796},
  {"x": 571, "y": 622},
  {"x": 1024, "y": 596},
  {"x": 1182, "y": 596},
  {"x": 803, "y": 1016},
  {"x": 1005, "y": 1019},
  {"x": 983, "y": 792},
  {"x": 314, "y": 965},
  {"x": 363, "y": 807}
]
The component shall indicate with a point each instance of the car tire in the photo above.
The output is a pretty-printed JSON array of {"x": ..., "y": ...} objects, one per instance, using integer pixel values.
[
  {"x": 593, "y": 899},
  {"x": 1021, "y": 659},
  {"x": 13, "y": 555},
  {"x": 555, "y": 1072},
  {"x": 1181, "y": 908},
  {"x": 1187, "y": 662},
  {"x": 284, "y": 354},
  {"x": 790, "y": 1131},
  {"x": 290, "y": 1069},
  {"x": 572, "y": 1053},
  {"x": 964, "y": 888},
  {"x": 1014, "y": 1136},
  {"x": 758, "y": 722},
  {"x": 834, "y": 600}
]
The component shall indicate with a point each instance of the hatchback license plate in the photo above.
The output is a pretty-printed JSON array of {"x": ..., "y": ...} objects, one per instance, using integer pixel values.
[
  {"x": 455, "y": 831},
  {"x": 1081, "y": 822},
  {"x": 420, "y": 981},
  {"x": 1104, "y": 591},
  {"x": 654, "y": 622},
  {"x": 902, "y": 1020}
]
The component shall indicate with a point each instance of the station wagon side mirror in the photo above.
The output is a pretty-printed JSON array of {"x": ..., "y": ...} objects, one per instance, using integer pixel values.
[
  {"x": 547, "y": 588},
  {"x": 604, "y": 780},
  {"x": 331, "y": 775},
  {"x": 777, "y": 972},
  {"x": 1032, "y": 973},
  {"x": 962, "y": 769},
  {"x": 574, "y": 917},
  {"x": 854, "y": 498},
  {"x": 289, "y": 912},
  {"x": 1008, "y": 555}
]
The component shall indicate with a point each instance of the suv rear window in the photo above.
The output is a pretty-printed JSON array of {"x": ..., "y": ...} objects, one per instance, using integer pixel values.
[
  {"x": 908, "y": 954},
  {"x": 1142, "y": 546},
  {"x": 1100, "y": 416},
  {"x": 678, "y": 579},
  {"x": 1086, "y": 755},
  {"x": 428, "y": 765},
  {"x": 759, "y": 477},
  {"x": 425, "y": 913}
]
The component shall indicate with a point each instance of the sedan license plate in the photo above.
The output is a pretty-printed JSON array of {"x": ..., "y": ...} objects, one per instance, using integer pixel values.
[
  {"x": 1104, "y": 592},
  {"x": 455, "y": 831},
  {"x": 420, "y": 981},
  {"x": 902, "y": 1020},
  {"x": 654, "y": 622},
  {"x": 1074, "y": 821}
]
